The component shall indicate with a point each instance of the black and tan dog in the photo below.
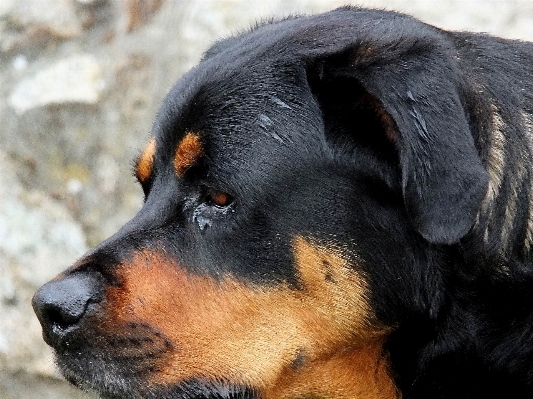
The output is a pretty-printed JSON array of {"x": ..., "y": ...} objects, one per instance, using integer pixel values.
[{"x": 337, "y": 206}]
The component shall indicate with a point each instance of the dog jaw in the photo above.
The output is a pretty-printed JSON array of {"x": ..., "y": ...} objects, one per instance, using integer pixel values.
[{"x": 316, "y": 339}]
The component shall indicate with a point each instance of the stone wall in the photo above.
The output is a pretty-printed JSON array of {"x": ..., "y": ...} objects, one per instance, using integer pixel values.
[{"x": 80, "y": 81}]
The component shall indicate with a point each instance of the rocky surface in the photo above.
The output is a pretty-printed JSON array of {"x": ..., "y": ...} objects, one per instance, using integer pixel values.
[
  {"x": 80, "y": 82},
  {"x": 77, "y": 79}
]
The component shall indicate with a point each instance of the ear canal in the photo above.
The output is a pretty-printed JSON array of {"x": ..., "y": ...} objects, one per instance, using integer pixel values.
[{"x": 443, "y": 178}]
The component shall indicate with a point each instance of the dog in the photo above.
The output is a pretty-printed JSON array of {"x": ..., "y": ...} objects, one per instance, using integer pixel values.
[{"x": 336, "y": 206}]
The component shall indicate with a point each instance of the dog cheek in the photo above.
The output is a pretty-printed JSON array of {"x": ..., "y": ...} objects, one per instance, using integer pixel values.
[
  {"x": 218, "y": 329},
  {"x": 249, "y": 335},
  {"x": 335, "y": 287}
]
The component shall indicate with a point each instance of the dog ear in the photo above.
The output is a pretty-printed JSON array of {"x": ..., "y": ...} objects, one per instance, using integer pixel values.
[{"x": 416, "y": 85}]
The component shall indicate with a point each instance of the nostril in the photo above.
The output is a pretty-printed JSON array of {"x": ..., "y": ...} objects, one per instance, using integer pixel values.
[
  {"x": 61, "y": 304},
  {"x": 57, "y": 319},
  {"x": 65, "y": 317}
]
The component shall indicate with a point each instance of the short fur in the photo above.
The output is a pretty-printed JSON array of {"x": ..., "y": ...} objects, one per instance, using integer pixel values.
[{"x": 354, "y": 220}]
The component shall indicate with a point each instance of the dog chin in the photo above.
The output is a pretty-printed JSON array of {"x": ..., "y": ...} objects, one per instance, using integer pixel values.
[
  {"x": 95, "y": 376},
  {"x": 110, "y": 381}
]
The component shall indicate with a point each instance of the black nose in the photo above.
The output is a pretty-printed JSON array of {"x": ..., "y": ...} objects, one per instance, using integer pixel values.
[{"x": 60, "y": 305}]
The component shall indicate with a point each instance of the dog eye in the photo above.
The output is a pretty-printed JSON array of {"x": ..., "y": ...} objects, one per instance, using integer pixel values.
[
  {"x": 214, "y": 206},
  {"x": 218, "y": 198}
]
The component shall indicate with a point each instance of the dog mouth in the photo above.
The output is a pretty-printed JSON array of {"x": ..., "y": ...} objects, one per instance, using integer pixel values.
[
  {"x": 191, "y": 389},
  {"x": 199, "y": 389},
  {"x": 96, "y": 373}
]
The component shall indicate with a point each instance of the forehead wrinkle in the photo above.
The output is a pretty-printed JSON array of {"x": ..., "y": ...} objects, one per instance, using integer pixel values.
[{"x": 188, "y": 151}]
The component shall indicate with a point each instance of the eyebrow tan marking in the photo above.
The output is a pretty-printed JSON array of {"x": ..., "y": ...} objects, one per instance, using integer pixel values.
[
  {"x": 146, "y": 162},
  {"x": 187, "y": 153}
]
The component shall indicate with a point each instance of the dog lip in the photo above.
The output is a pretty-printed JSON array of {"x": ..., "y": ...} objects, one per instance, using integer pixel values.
[{"x": 60, "y": 336}]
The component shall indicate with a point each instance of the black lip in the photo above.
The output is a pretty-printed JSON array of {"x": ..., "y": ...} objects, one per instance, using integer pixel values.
[
  {"x": 59, "y": 336},
  {"x": 108, "y": 382},
  {"x": 201, "y": 389}
]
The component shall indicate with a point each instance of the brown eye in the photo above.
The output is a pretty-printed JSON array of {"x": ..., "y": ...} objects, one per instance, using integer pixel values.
[{"x": 219, "y": 198}]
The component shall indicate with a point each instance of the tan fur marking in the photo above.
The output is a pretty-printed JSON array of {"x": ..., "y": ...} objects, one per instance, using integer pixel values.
[
  {"x": 146, "y": 161},
  {"x": 252, "y": 335},
  {"x": 358, "y": 372},
  {"x": 187, "y": 153}
]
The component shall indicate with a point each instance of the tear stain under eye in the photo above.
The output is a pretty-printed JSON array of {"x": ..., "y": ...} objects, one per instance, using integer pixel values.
[
  {"x": 204, "y": 214},
  {"x": 202, "y": 221}
]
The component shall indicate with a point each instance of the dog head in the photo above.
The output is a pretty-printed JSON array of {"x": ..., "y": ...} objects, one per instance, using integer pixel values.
[{"x": 298, "y": 184}]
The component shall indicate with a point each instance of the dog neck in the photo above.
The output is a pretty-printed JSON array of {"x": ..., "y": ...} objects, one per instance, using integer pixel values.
[{"x": 355, "y": 373}]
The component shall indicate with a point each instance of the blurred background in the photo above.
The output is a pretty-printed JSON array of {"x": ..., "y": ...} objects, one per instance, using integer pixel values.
[{"x": 80, "y": 82}]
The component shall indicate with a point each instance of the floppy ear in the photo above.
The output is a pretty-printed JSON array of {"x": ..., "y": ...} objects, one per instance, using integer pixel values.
[{"x": 417, "y": 85}]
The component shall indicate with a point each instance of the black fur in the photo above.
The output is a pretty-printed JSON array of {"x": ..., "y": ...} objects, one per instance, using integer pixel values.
[{"x": 408, "y": 145}]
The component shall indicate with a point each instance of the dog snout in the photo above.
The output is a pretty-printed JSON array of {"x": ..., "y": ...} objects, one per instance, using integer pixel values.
[{"x": 62, "y": 304}]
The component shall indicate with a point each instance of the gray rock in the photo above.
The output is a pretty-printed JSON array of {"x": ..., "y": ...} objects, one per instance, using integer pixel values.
[
  {"x": 38, "y": 239},
  {"x": 36, "y": 22},
  {"x": 77, "y": 79},
  {"x": 57, "y": 17}
]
